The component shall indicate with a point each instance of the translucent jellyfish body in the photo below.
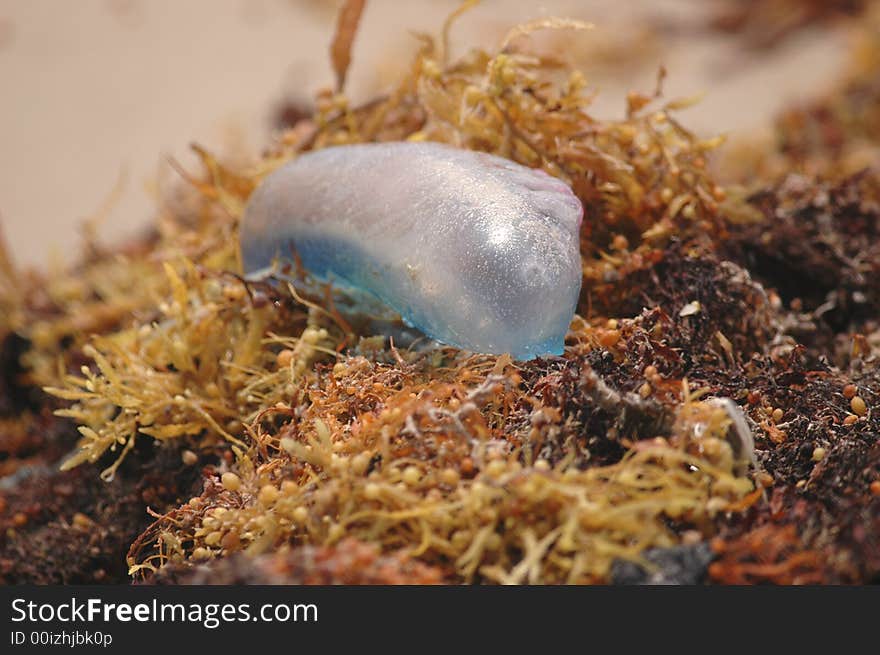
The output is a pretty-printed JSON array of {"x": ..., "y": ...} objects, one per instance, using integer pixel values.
[{"x": 474, "y": 250}]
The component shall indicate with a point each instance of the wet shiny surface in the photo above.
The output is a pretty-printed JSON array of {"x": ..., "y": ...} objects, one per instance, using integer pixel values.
[{"x": 474, "y": 250}]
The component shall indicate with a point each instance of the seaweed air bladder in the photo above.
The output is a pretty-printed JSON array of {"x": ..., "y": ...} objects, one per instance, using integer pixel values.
[{"x": 475, "y": 250}]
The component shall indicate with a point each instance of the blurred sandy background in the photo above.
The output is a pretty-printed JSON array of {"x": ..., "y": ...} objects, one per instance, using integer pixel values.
[{"x": 96, "y": 94}]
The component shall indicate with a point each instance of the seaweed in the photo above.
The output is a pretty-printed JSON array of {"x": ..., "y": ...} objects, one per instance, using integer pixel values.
[
  {"x": 349, "y": 562},
  {"x": 713, "y": 416}
]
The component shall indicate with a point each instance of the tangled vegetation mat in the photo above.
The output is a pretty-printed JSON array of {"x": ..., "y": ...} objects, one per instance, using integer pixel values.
[{"x": 714, "y": 418}]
